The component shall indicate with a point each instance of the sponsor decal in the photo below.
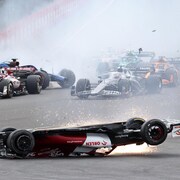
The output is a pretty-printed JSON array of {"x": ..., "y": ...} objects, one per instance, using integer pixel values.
[
  {"x": 176, "y": 131},
  {"x": 177, "y": 127},
  {"x": 97, "y": 140},
  {"x": 104, "y": 143},
  {"x": 33, "y": 154},
  {"x": 21, "y": 68},
  {"x": 71, "y": 142},
  {"x": 106, "y": 92},
  {"x": 56, "y": 153},
  {"x": 96, "y": 143},
  {"x": 121, "y": 136},
  {"x": 50, "y": 153}
]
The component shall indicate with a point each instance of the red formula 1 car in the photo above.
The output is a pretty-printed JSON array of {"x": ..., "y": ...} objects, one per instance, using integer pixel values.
[
  {"x": 11, "y": 85},
  {"x": 91, "y": 140}
]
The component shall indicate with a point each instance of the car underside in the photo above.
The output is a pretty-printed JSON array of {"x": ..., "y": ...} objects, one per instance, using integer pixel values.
[{"x": 100, "y": 139}]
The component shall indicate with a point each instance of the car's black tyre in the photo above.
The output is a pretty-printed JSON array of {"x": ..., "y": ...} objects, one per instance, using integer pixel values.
[
  {"x": 171, "y": 75},
  {"x": 82, "y": 85},
  {"x": 124, "y": 87},
  {"x": 21, "y": 142},
  {"x": 153, "y": 84},
  {"x": 69, "y": 78},
  {"x": 7, "y": 129},
  {"x": 10, "y": 88},
  {"x": 154, "y": 132},
  {"x": 33, "y": 84},
  {"x": 45, "y": 79},
  {"x": 134, "y": 123},
  {"x": 41, "y": 77}
]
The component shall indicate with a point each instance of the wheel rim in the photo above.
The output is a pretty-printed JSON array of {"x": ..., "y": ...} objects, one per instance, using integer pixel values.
[
  {"x": 10, "y": 90},
  {"x": 24, "y": 143},
  {"x": 38, "y": 87},
  {"x": 156, "y": 132},
  {"x": 160, "y": 85}
]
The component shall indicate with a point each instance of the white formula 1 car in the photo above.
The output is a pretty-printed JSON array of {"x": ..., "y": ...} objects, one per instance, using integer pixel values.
[{"x": 117, "y": 84}]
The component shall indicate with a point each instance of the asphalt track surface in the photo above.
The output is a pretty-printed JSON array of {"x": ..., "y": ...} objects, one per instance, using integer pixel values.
[{"x": 55, "y": 107}]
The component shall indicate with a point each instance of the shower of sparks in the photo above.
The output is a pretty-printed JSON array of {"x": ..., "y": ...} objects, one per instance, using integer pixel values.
[{"x": 134, "y": 149}]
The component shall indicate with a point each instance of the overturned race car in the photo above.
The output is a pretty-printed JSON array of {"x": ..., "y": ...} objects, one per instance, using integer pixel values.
[{"x": 91, "y": 140}]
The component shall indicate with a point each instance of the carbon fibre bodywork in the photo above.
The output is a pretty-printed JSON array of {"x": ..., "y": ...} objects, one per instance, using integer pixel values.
[{"x": 91, "y": 140}]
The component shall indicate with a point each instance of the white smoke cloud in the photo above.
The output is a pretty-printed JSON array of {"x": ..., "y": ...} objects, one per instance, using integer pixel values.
[{"x": 96, "y": 25}]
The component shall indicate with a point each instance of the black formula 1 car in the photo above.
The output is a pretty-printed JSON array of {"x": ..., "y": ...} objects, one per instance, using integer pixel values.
[
  {"x": 122, "y": 83},
  {"x": 130, "y": 58},
  {"x": 92, "y": 140}
]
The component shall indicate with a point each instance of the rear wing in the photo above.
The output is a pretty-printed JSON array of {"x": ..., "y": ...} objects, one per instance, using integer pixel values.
[
  {"x": 146, "y": 54},
  {"x": 142, "y": 54}
]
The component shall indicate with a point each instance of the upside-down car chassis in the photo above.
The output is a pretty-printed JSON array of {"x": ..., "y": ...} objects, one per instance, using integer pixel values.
[{"x": 92, "y": 140}]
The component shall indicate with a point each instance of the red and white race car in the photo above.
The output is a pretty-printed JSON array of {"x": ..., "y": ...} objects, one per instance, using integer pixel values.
[
  {"x": 91, "y": 140},
  {"x": 11, "y": 85}
]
